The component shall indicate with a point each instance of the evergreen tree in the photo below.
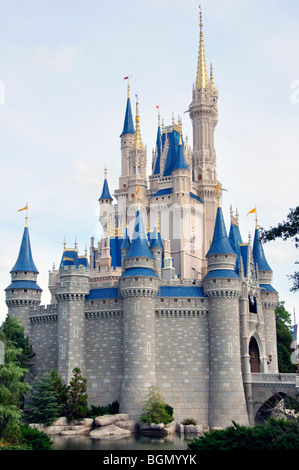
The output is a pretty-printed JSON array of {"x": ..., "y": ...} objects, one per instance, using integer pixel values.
[
  {"x": 12, "y": 388},
  {"x": 42, "y": 406},
  {"x": 77, "y": 405},
  {"x": 284, "y": 339},
  {"x": 155, "y": 409},
  {"x": 15, "y": 334}
]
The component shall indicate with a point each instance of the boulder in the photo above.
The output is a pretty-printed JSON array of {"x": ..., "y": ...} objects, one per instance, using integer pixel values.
[
  {"x": 109, "y": 430},
  {"x": 105, "y": 420},
  {"x": 132, "y": 426},
  {"x": 122, "y": 417}
]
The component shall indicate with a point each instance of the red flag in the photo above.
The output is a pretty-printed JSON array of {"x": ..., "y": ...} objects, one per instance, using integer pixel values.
[
  {"x": 126, "y": 78},
  {"x": 157, "y": 107}
]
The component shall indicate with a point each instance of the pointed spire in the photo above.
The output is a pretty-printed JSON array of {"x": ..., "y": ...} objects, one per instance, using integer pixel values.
[
  {"x": 137, "y": 140},
  {"x": 25, "y": 261},
  {"x": 128, "y": 123},
  {"x": 202, "y": 76},
  {"x": 220, "y": 243},
  {"x": 180, "y": 163},
  {"x": 212, "y": 77},
  {"x": 258, "y": 252},
  {"x": 139, "y": 244},
  {"x": 105, "y": 191}
]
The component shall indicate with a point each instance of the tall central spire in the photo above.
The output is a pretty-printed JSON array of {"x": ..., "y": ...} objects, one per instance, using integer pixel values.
[
  {"x": 137, "y": 139},
  {"x": 202, "y": 75}
]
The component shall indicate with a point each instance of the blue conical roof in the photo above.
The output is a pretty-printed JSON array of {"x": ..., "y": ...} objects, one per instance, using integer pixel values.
[
  {"x": 128, "y": 124},
  {"x": 258, "y": 253},
  {"x": 155, "y": 239},
  {"x": 105, "y": 192},
  {"x": 220, "y": 243},
  {"x": 235, "y": 240},
  {"x": 126, "y": 242},
  {"x": 25, "y": 261},
  {"x": 156, "y": 170},
  {"x": 139, "y": 244},
  {"x": 180, "y": 163}
]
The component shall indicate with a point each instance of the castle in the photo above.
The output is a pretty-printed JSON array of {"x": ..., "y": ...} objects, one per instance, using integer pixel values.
[{"x": 169, "y": 296}]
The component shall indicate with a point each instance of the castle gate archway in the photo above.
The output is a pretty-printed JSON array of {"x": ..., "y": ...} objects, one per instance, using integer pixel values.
[{"x": 254, "y": 354}]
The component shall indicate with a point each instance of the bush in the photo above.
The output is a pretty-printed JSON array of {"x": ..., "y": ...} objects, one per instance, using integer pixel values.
[
  {"x": 189, "y": 421},
  {"x": 273, "y": 435},
  {"x": 155, "y": 409},
  {"x": 34, "y": 439},
  {"x": 110, "y": 409}
]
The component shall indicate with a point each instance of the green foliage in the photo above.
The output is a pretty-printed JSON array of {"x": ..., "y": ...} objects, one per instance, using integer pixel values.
[
  {"x": 77, "y": 405},
  {"x": 189, "y": 421},
  {"x": 155, "y": 409},
  {"x": 12, "y": 384},
  {"x": 284, "y": 339},
  {"x": 15, "y": 336},
  {"x": 273, "y": 435},
  {"x": 61, "y": 390},
  {"x": 42, "y": 406},
  {"x": 288, "y": 229},
  {"x": 34, "y": 439},
  {"x": 110, "y": 409}
]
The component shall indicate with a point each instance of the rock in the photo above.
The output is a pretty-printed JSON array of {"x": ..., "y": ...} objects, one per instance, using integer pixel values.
[
  {"x": 105, "y": 420},
  {"x": 191, "y": 428},
  {"x": 86, "y": 422},
  {"x": 75, "y": 430},
  {"x": 109, "y": 430},
  {"x": 63, "y": 421},
  {"x": 151, "y": 429},
  {"x": 132, "y": 426},
  {"x": 122, "y": 417}
]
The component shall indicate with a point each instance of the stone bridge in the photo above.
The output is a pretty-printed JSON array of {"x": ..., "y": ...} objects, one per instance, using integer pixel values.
[{"x": 265, "y": 391}]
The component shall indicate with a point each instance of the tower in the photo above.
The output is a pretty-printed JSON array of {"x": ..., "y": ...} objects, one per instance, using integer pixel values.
[
  {"x": 105, "y": 201},
  {"x": 138, "y": 286},
  {"x": 71, "y": 289},
  {"x": 127, "y": 140},
  {"x": 204, "y": 116},
  {"x": 222, "y": 285},
  {"x": 269, "y": 301},
  {"x": 23, "y": 292}
]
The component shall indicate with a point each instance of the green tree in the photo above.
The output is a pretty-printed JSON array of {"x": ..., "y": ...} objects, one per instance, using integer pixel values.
[
  {"x": 15, "y": 334},
  {"x": 284, "y": 339},
  {"x": 60, "y": 391},
  {"x": 77, "y": 405},
  {"x": 42, "y": 406},
  {"x": 288, "y": 229},
  {"x": 155, "y": 409},
  {"x": 12, "y": 388}
]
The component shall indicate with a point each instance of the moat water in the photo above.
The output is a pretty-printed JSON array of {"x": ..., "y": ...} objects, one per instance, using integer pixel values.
[{"x": 132, "y": 442}]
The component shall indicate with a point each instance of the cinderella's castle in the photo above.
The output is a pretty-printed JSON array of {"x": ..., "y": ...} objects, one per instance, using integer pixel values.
[{"x": 169, "y": 296}]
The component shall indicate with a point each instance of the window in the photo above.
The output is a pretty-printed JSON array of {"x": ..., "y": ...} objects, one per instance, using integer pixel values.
[{"x": 25, "y": 290}]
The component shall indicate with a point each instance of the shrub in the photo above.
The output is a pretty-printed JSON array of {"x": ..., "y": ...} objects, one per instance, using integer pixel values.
[
  {"x": 110, "y": 409},
  {"x": 77, "y": 406},
  {"x": 273, "y": 435},
  {"x": 34, "y": 439},
  {"x": 189, "y": 421},
  {"x": 155, "y": 409}
]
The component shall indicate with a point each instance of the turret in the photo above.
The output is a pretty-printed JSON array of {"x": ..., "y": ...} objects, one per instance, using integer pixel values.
[
  {"x": 71, "y": 289},
  {"x": 139, "y": 287},
  {"x": 105, "y": 201},
  {"x": 222, "y": 286},
  {"x": 127, "y": 140},
  {"x": 269, "y": 300},
  {"x": 23, "y": 292}
]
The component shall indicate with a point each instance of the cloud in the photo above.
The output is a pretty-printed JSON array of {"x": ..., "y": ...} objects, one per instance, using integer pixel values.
[{"x": 58, "y": 59}]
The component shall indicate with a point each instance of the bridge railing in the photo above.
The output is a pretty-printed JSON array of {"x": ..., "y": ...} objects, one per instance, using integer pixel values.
[{"x": 291, "y": 379}]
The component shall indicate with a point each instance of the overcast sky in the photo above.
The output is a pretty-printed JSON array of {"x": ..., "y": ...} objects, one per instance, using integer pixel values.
[{"x": 63, "y": 97}]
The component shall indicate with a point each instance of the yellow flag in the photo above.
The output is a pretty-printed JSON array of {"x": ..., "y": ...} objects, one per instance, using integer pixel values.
[
  {"x": 24, "y": 208},
  {"x": 217, "y": 189},
  {"x": 137, "y": 191},
  {"x": 251, "y": 212}
]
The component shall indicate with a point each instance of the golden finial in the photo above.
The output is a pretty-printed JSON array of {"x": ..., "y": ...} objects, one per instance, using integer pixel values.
[
  {"x": 211, "y": 76},
  {"x": 159, "y": 124},
  {"x": 137, "y": 139},
  {"x": 105, "y": 171},
  {"x": 202, "y": 76},
  {"x": 256, "y": 220},
  {"x": 128, "y": 89},
  {"x": 180, "y": 141}
]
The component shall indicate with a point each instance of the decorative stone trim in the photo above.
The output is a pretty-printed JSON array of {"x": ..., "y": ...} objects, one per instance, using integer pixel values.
[
  {"x": 182, "y": 313},
  {"x": 22, "y": 303},
  {"x": 269, "y": 305},
  {"x": 70, "y": 297},
  {"x": 232, "y": 294},
  {"x": 44, "y": 319},
  {"x": 139, "y": 292},
  {"x": 110, "y": 314}
]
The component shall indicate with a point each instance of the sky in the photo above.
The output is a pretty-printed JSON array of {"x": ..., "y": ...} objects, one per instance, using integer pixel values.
[{"x": 62, "y": 105}]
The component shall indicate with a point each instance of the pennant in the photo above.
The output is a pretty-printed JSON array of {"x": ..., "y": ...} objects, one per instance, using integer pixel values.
[
  {"x": 126, "y": 78},
  {"x": 217, "y": 189},
  {"x": 251, "y": 212},
  {"x": 137, "y": 191},
  {"x": 158, "y": 107},
  {"x": 24, "y": 208}
]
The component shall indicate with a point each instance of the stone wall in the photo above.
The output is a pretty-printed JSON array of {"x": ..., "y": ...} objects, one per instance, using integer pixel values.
[{"x": 182, "y": 362}]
